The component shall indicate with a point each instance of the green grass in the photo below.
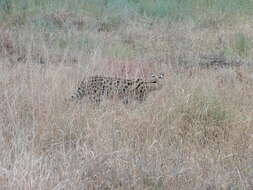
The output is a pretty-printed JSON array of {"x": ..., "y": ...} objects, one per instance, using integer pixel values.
[
  {"x": 204, "y": 119},
  {"x": 119, "y": 50},
  {"x": 241, "y": 44},
  {"x": 170, "y": 9},
  {"x": 205, "y": 110}
]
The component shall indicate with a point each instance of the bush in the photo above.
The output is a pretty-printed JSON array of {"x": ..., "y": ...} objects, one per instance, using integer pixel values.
[{"x": 204, "y": 120}]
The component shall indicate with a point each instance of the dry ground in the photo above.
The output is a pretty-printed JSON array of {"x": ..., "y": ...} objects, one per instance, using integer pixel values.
[{"x": 196, "y": 133}]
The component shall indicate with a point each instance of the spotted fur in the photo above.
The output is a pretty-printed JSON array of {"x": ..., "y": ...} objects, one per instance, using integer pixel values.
[{"x": 97, "y": 88}]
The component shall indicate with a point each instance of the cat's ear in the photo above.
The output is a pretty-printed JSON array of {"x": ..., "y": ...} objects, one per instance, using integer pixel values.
[
  {"x": 161, "y": 76},
  {"x": 153, "y": 75}
]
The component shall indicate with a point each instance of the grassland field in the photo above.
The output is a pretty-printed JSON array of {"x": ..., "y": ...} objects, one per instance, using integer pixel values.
[{"x": 195, "y": 133}]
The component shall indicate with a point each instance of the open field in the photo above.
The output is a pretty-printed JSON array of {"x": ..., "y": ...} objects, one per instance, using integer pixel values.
[{"x": 195, "y": 133}]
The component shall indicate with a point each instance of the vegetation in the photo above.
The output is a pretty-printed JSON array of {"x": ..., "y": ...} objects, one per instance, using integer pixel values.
[{"x": 196, "y": 133}]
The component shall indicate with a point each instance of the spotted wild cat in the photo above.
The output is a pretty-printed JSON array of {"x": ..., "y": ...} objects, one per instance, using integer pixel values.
[{"x": 97, "y": 88}]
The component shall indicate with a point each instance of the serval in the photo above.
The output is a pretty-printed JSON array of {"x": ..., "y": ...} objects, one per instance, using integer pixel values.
[{"x": 97, "y": 88}]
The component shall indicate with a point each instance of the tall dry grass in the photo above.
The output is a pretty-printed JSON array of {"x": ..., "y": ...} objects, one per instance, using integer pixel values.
[{"x": 195, "y": 133}]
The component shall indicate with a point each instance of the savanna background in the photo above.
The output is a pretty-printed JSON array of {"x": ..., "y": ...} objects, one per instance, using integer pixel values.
[{"x": 195, "y": 133}]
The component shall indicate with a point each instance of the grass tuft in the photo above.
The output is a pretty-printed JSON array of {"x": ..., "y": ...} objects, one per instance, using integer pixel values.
[
  {"x": 241, "y": 44},
  {"x": 205, "y": 119}
]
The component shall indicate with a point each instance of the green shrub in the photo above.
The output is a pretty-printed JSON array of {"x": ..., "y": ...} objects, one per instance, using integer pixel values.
[
  {"x": 5, "y": 6},
  {"x": 207, "y": 110},
  {"x": 204, "y": 120}
]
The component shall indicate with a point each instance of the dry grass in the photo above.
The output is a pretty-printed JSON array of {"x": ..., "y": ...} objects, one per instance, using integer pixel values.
[{"x": 196, "y": 133}]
